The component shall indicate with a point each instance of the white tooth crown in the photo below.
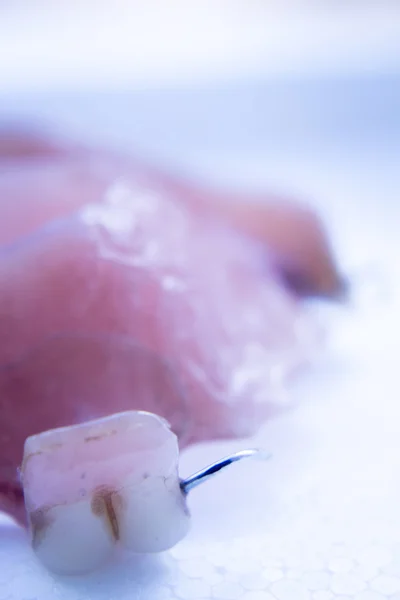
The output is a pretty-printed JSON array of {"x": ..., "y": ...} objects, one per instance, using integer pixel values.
[
  {"x": 153, "y": 516},
  {"x": 105, "y": 481},
  {"x": 70, "y": 538}
]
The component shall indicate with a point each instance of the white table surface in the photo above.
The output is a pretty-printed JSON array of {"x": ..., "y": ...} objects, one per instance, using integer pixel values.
[{"x": 321, "y": 520}]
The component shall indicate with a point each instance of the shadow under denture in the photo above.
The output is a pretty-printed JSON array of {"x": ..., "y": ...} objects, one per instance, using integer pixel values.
[
  {"x": 12, "y": 502},
  {"x": 329, "y": 286}
]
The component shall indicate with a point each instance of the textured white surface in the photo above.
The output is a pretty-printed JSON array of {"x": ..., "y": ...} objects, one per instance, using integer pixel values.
[{"x": 319, "y": 521}]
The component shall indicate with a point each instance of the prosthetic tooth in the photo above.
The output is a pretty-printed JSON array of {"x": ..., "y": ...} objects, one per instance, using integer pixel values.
[
  {"x": 105, "y": 481},
  {"x": 113, "y": 480}
]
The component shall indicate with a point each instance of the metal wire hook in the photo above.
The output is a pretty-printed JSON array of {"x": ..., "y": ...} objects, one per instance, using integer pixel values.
[{"x": 200, "y": 477}]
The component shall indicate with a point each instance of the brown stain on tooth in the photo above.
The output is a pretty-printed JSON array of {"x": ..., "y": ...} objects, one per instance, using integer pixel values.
[
  {"x": 104, "y": 505},
  {"x": 100, "y": 436},
  {"x": 39, "y": 521}
]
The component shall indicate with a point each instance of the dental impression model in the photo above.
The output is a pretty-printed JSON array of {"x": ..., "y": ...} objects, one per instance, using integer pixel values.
[{"x": 110, "y": 480}]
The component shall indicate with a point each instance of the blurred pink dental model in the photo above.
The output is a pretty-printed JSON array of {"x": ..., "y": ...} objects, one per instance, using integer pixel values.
[
  {"x": 123, "y": 289},
  {"x": 113, "y": 480}
]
